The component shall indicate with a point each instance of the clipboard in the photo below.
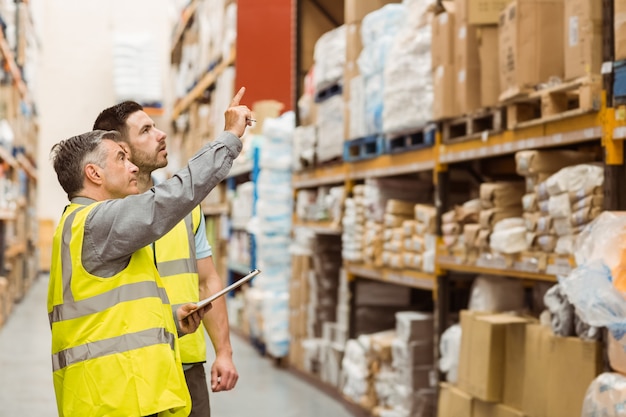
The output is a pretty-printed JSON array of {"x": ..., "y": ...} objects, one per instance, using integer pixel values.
[{"x": 226, "y": 290}]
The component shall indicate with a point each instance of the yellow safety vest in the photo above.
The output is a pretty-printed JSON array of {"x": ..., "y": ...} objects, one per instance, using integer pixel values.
[
  {"x": 176, "y": 261},
  {"x": 114, "y": 340}
]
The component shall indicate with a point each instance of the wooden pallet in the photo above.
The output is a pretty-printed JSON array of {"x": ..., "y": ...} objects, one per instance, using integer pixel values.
[
  {"x": 558, "y": 102},
  {"x": 487, "y": 121},
  {"x": 363, "y": 148},
  {"x": 408, "y": 141}
]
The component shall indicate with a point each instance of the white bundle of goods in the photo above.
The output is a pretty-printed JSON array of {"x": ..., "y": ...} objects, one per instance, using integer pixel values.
[
  {"x": 137, "y": 68},
  {"x": 276, "y": 323},
  {"x": 358, "y": 122},
  {"x": 408, "y": 87},
  {"x": 329, "y": 55},
  {"x": 378, "y": 30},
  {"x": 304, "y": 143},
  {"x": 330, "y": 128}
]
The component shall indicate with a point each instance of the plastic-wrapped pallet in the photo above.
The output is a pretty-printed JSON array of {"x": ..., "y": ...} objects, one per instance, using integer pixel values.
[
  {"x": 271, "y": 227},
  {"x": 358, "y": 123},
  {"x": 330, "y": 129},
  {"x": 329, "y": 55},
  {"x": 408, "y": 87},
  {"x": 275, "y": 312},
  {"x": 378, "y": 30},
  {"x": 304, "y": 144}
]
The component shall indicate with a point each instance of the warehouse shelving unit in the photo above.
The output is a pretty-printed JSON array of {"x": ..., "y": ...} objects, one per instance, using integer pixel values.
[
  {"x": 19, "y": 237},
  {"x": 600, "y": 126}
]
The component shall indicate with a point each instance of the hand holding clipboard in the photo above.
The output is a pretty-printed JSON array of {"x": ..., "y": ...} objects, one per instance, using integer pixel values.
[{"x": 226, "y": 290}]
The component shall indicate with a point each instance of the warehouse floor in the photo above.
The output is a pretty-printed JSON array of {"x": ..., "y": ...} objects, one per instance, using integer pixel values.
[{"x": 263, "y": 388}]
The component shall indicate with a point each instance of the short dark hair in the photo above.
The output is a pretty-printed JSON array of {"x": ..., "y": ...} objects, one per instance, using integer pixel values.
[
  {"x": 114, "y": 117},
  {"x": 70, "y": 156}
]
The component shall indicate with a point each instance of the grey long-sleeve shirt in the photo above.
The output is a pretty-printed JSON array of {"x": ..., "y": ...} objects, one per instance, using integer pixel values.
[{"x": 117, "y": 228}]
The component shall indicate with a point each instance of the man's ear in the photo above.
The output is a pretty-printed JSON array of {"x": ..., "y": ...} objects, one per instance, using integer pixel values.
[{"x": 93, "y": 173}]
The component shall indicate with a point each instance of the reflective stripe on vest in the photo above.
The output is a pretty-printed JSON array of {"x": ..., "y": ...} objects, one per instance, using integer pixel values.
[
  {"x": 108, "y": 346},
  {"x": 175, "y": 255},
  {"x": 186, "y": 265}
]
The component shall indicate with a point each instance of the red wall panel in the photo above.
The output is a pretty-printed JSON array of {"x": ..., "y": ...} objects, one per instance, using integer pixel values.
[{"x": 265, "y": 48}]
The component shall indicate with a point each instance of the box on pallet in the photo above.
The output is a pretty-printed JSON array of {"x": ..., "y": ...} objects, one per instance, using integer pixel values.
[
  {"x": 619, "y": 19},
  {"x": 444, "y": 105},
  {"x": 489, "y": 75},
  {"x": 442, "y": 46},
  {"x": 480, "y": 12},
  {"x": 583, "y": 38},
  {"x": 531, "y": 44},
  {"x": 467, "y": 68}
]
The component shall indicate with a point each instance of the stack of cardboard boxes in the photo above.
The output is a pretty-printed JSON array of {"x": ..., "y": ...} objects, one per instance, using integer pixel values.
[
  {"x": 511, "y": 366},
  {"x": 465, "y": 56},
  {"x": 488, "y": 52}
]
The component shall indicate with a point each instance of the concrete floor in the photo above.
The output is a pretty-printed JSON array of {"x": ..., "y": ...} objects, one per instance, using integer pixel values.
[{"x": 263, "y": 389}]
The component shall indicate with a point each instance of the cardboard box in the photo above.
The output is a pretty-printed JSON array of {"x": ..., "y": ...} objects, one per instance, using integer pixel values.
[
  {"x": 467, "y": 68},
  {"x": 558, "y": 371},
  {"x": 354, "y": 44},
  {"x": 480, "y": 12},
  {"x": 514, "y": 365},
  {"x": 616, "y": 351},
  {"x": 536, "y": 360},
  {"x": 468, "y": 90},
  {"x": 444, "y": 105},
  {"x": 574, "y": 364},
  {"x": 489, "y": 73},
  {"x": 355, "y": 10},
  {"x": 489, "y": 363},
  {"x": 485, "y": 409},
  {"x": 619, "y": 19},
  {"x": 483, "y": 353},
  {"x": 531, "y": 44},
  {"x": 442, "y": 46},
  {"x": 453, "y": 402},
  {"x": 465, "y": 46},
  {"x": 583, "y": 38}
]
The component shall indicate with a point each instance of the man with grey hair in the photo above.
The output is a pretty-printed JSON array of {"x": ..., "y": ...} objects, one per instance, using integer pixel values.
[{"x": 114, "y": 333}]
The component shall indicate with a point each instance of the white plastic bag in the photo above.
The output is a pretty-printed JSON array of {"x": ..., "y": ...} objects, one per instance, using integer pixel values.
[
  {"x": 450, "y": 348},
  {"x": 597, "y": 301},
  {"x": 605, "y": 396}
]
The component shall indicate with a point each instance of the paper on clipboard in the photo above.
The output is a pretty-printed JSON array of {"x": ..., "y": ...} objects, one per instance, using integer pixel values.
[{"x": 226, "y": 290}]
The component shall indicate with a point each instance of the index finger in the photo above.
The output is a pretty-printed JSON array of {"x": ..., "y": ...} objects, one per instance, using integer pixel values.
[{"x": 238, "y": 96}]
